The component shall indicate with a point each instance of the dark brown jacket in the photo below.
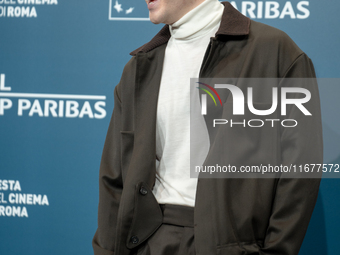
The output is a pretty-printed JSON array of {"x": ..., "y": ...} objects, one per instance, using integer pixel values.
[{"x": 232, "y": 216}]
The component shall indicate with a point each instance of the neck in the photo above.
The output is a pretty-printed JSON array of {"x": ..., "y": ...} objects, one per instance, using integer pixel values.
[
  {"x": 193, "y": 4},
  {"x": 197, "y": 21}
]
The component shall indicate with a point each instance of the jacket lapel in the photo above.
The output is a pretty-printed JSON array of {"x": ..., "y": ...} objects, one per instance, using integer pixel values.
[{"x": 148, "y": 76}]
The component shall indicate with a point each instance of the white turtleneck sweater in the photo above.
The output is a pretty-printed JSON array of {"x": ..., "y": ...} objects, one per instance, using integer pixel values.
[{"x": 184, "y": 54}]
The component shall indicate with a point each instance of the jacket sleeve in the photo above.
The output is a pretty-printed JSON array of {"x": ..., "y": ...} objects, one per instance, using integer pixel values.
[
  {"x": 295, "y": 198},
  {"x": 110, "y": 184}
]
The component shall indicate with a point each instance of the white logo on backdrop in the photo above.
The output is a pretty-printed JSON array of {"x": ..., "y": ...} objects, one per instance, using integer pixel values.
[
  {"x": 22, "y": 8},
  {"x": 122, "y": 10},
  {"x": 118, "y": 7},
  {"x": 51, "y": 105},
  {"x": 14, "y": 203}
]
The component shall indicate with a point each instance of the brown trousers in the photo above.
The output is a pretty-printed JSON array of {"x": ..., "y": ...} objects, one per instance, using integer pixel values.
[{"x": 176, "y": 234}]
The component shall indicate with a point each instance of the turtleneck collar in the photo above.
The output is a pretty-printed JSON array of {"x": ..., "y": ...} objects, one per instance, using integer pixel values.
[{"x": 198, "y": 21}]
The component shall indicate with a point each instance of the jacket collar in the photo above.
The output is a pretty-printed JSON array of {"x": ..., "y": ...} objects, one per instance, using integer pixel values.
[{"x": 233, "y": 23}]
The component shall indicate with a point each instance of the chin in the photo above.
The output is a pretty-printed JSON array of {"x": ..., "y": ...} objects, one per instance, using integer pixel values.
[
  {"x": 158, "y": 16},
  {"x": 154, "y": 20}
]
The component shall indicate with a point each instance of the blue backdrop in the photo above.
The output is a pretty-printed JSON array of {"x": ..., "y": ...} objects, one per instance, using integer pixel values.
[{"x": 59, "y": 63}]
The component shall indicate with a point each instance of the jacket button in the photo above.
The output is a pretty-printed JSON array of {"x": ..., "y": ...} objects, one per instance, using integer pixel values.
[
  {"x": 134, "y": 239},
  {"x": 143, "y": 191}
]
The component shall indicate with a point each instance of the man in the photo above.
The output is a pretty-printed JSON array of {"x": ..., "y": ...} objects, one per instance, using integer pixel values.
[{"x": 148, "y": 204}]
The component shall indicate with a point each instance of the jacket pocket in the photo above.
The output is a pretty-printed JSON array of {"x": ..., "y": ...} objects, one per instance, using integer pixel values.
[
  {"x": 127, "y": 144},
  {"x": 234, "y": 249}
]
